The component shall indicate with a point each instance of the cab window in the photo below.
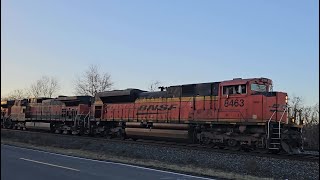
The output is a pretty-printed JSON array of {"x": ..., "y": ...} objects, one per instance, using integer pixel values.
[
  {"x": 234, "y": 89},
  {"x": 258, "y": 87}
]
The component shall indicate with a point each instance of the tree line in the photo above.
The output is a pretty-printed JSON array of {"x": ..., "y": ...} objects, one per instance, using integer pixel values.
[
  {"x": 44, "y": 87},
  {"x": 91, "y": 82},
  {"x": 309, "y": 116}
]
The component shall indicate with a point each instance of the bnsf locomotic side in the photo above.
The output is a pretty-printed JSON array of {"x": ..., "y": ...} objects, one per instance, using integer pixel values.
[{"x": 228, "y": 101}]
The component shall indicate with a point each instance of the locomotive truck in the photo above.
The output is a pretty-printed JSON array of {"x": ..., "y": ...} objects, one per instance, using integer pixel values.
[{"x": 233, "y": 114}]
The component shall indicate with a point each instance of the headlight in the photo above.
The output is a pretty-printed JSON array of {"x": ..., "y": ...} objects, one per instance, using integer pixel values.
[
  {"x": 292, "y": 120},
  {"x": 286, "y": 99}
]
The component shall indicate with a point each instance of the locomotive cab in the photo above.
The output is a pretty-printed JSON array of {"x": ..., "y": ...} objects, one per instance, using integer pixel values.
[
  {"x": 252, "y": 100},
  {"x": 272, "y": 108},
  {"x": 261, "y": 111},
  {"x": 267, "y": 105}
]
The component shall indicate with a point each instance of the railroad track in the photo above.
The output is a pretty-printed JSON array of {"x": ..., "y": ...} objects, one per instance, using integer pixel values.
[{"x": 299, "y": 157}]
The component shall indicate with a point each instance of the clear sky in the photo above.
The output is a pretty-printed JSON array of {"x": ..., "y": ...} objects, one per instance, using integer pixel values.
[{"x": 173, "y": 41}]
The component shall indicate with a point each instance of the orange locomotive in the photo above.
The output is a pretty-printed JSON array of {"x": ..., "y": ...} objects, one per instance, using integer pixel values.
[
  {"x": 233, "y": 114},
  {"x": 61, "y": 115},
  {"x": 6, "y": 110}
]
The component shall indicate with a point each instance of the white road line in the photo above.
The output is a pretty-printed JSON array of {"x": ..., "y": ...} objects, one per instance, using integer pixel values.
[
  {"x": 121, "y": 164},
  {"x": 49, "y": 164}
]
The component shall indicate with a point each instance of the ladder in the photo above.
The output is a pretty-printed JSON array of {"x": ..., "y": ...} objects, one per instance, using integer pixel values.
[
  {"x": 274, "y": 133},
  {"x": 87, "y": 120},
  {"x": 275, "y": 136},
  {"x": 4, "y": 120},
  {"x": 86, "y": 123}
]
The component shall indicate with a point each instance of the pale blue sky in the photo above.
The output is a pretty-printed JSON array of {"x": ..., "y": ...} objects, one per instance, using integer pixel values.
[{"x": 174, "y": 41}]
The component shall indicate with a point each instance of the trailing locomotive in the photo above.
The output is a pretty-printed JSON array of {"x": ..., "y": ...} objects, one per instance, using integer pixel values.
[{"x": 233, "y": 114}]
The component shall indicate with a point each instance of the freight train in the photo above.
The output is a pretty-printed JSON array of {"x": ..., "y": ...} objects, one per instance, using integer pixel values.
[{"x": 233, "y": 114}]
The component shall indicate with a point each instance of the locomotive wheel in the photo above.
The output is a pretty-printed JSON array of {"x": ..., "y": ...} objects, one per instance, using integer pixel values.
[
  {"x": 57, "y": 131},
  {"x": 75, "y": 132},
  {"x": 205, "y": 141},
  {"x": 66, "y": 132},
  {"x": 233, "y": 145},
  {"x": 103, "y": 134},
  {"x": 121, "y": 135},
  {"x": 7, "y": 124}
]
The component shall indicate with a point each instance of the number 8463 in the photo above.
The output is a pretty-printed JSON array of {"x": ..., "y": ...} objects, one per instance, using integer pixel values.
[{"x": 234, "y": 102}]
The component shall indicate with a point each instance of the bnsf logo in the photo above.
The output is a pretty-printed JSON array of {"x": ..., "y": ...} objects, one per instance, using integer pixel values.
[{"x": 161, "y": 107}]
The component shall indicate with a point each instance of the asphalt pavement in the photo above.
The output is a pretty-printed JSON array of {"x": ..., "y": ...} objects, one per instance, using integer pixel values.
[{"x": 21, "y": 163}]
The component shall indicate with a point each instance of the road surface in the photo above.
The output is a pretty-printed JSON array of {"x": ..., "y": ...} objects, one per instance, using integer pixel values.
[{"x": 21, "y": 163}]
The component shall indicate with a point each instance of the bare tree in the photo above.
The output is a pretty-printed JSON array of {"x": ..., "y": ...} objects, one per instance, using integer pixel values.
[
  {"x": 306, "y": 114},
  {"x": 36, "y": 88},
  {"x": 310, "y": 131},
  {"x": 50, "y": 86},
  {"x": 154, "y": 85},
  {"x": 296, "y": 107},
  {"x": 315, "y": 114},
  {"x": 92, "y": 82},
  {"x": 16, "y": 94},
  {"x": 46, "y": 87}
]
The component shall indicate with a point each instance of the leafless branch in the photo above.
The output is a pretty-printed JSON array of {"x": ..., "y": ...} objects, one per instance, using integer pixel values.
[
  {"x": 92, "y": 82},
  {"x": 46, "y": 87},
  {"x": 154, "y": 86}
]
